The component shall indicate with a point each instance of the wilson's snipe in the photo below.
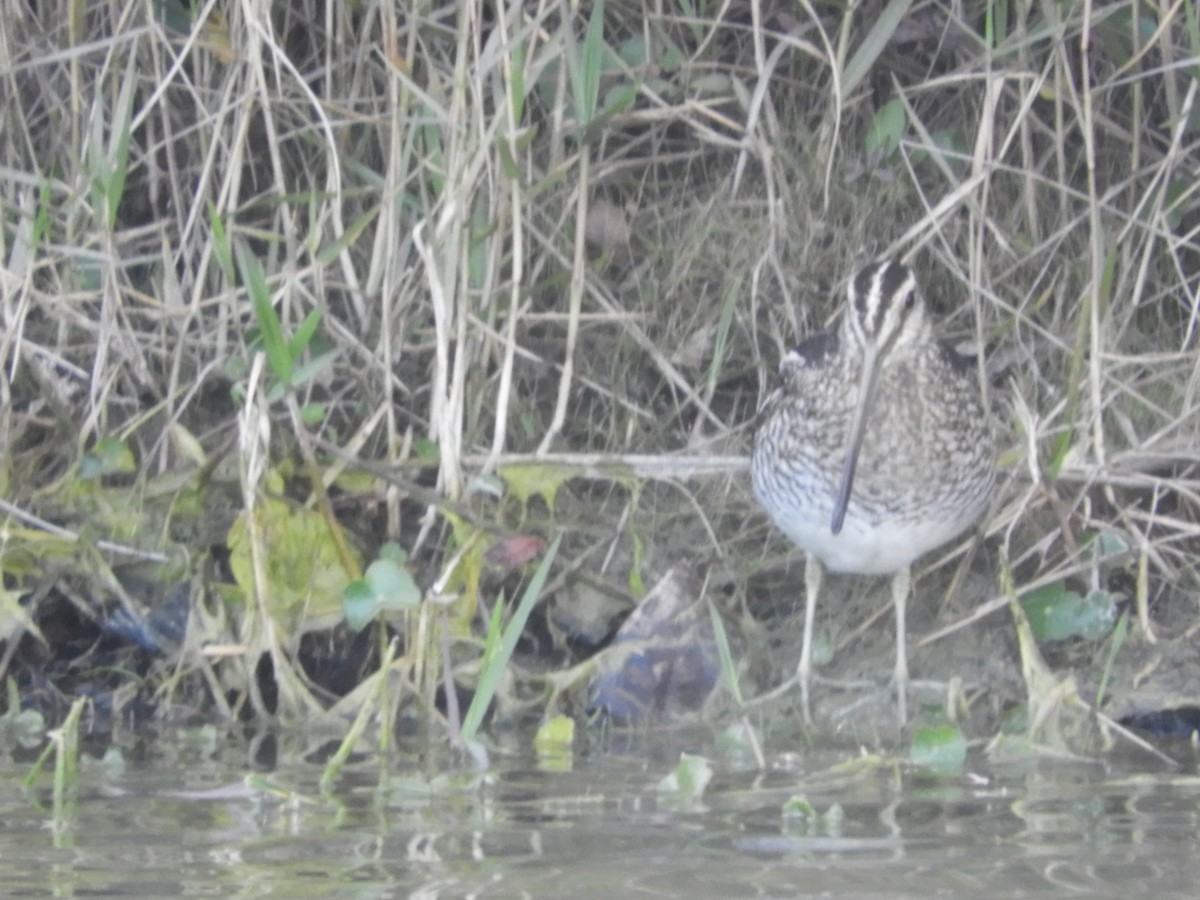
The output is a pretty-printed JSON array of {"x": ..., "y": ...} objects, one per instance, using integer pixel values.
[{"x": 874, "y": 449}]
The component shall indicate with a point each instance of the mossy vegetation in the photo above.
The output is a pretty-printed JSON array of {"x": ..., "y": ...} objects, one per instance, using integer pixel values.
[{"x": 429, "y": 287}]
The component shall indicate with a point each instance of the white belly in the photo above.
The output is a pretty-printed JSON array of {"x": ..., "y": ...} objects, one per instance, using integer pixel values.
[{"x": 862, "y": 546}]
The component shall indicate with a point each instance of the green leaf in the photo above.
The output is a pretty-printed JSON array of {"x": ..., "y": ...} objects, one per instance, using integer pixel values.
[
  {"x": 688, "y": 779},
  {"x": 1058, "y": 614},
  {"x": 632, "y": 51},
  {"x": 1115, "y": 642},
  {"x": 941, "y": 750},
  {"x": 118, "y": 154},
  {"x": 328, "y": 254},
  {"x": 425, "y": 449},
  {"x": 528, "y": 480},
  {"x": 729, "y": 670},
  {"x": 508, "y": 163},
  {"x": 1111, "y": 550},
  {"x": 585, "y": 68},
  {"x": 304, "y": 333},
  {"x": 737, "y": 744},
  {"x": 175, "y": 15},
  {"x": 202, "y": 739},
  {"x": 305, "y": 371},
  {"x": 394, "y": 552},
  {"x": 882, "y": 29},
  {"x": 886, "y": 130},
  {"x": 619, "y": 98},
  {"x": 305, "y": 581},
  {"x": 109, "y": 456},
  {"x": 556, "y": 736},
  {"x": 313, "y": 413},
  {"x": 1058, "y": 453},
  {"x": 593, "y": 59},
  {"x": 393, "y": 585},
  {"x": 800, "y": 817},
  {"x": 996, "y": 23},
  {"x": 802, "y": 820},
  {"x": 386, "y": 587},
  {"x": 20, "y": 727},
  {"x": 499, "y": 648},
  {"x": 358, "y": 604},
  {"x": 517, "y": 81},
  {"x": 278, "y": 355}
]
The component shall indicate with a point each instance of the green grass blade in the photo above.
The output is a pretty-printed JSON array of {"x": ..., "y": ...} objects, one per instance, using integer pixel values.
[
  {"x": 118, "y": 153},
  {"x": 873, "y": 44},
  {"x": 497, "y": 654},
  {"x": 585, "y": 68},
  {"x": 728, "y": 668},
  {"x": 278, "y": 354},
  {"x": 593, "y": 58},
  {"x": 221, "y": 247},
  {"x": 299, "y": 342}
]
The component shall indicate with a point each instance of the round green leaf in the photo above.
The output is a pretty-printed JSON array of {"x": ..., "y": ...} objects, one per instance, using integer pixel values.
[
  {"x": 887, "y": 128},
  {"x": 109, "y": 456},
  {"x": 942, "y": 750},
  {"x": 392, "y": 586},
  {"x": 1058, "y": 614},
  {"x": 393, "y": 551},
  {"x": 358, "y": 604}
]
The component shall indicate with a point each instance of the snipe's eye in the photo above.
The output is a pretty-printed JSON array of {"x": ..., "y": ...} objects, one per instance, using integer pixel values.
[{"x": 910, "y": 302}]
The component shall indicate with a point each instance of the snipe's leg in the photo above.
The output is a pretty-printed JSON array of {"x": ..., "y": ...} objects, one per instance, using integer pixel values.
[
  {"x": 813, "y": 573},
  {"x": 901, "y": 584}
]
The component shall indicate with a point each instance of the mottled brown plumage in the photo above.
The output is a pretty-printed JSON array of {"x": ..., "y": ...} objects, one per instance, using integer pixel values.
[{"x": 874, "y": 449}]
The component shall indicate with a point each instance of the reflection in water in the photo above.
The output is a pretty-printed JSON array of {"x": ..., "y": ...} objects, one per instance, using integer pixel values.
[{"x": 601, "y": 830}]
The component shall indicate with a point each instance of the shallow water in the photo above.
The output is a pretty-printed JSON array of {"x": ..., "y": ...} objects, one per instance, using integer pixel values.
[{"x": 597, "y": 827}]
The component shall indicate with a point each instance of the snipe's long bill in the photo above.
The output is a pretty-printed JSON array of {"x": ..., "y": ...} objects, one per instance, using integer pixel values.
[{"x": 874, "y": 448}]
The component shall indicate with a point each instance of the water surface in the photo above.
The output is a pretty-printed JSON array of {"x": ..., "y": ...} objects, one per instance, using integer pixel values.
[{"x": 596, "y": 826}]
